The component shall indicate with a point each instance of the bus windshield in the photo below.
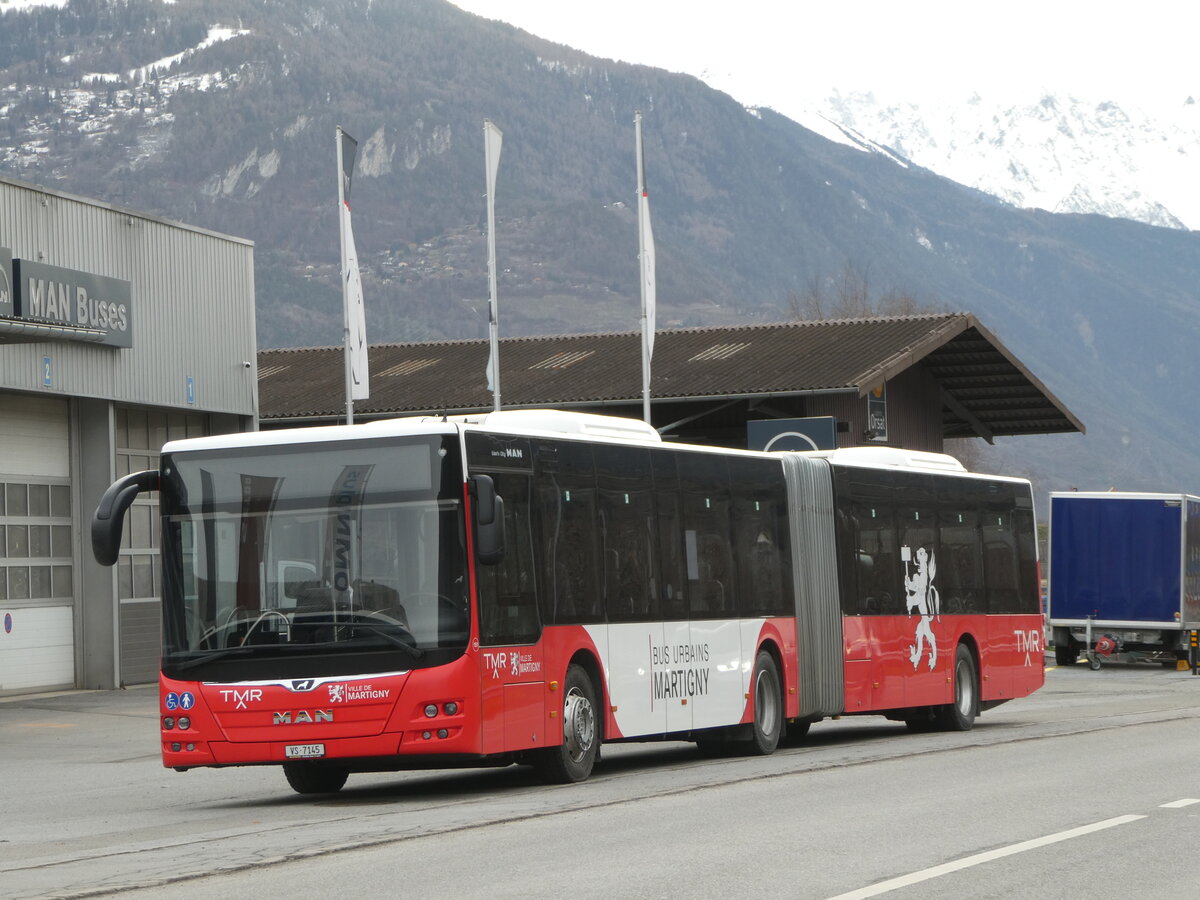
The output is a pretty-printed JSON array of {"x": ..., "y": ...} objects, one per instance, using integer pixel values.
[{"x": 313, "y": 559}]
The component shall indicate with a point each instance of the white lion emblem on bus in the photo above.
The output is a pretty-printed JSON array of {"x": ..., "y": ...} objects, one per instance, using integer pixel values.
[{"x": 923, "y": 599}]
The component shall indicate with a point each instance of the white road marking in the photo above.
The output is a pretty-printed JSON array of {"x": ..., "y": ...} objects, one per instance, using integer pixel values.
[
  {"x": 1177, "y": 804},
  {"x": 958, "y": 865}
]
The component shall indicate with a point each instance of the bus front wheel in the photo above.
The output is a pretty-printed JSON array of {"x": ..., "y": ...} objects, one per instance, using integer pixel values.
[
  {"x": 306, "y": 778},
  {"x": 573, "y": 759}
]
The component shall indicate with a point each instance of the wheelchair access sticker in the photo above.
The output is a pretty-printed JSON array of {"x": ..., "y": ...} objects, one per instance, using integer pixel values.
[{"x": 180, "y": 701}]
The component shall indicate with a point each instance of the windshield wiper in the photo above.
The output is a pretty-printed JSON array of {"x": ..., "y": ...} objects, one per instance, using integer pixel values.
[
  {"x": 382, "y": 630},
  {"x": 377, "y": 629},
  {"x": 202, "y": 657},
  {"x": 389, "y": 631},
  {"x": 209, "y": 656}
]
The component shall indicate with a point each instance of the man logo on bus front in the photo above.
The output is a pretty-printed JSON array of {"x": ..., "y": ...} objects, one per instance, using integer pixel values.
[{"x": 923, "y": 599}]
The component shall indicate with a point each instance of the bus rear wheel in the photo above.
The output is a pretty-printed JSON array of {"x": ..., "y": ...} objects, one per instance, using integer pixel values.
[
  {"x": 306, "y": 778},
  {"x": 960, "y": 715},
  {"x": 768, "y": 706},
  {"x": 572, "y": 761}
]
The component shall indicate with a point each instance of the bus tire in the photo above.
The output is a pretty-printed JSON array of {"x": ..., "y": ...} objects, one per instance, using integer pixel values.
[
  {"x": 768, "y": 706},
  {"x": 306, "y": 778},
  {"x": 573, "y": 759},
  {"x": 960, "y": 714}
]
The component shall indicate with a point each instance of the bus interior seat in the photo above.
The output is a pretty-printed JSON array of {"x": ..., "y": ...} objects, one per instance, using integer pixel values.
[
  {"x": 370, "y": 596},
  {"x": 314, "y": 612}
]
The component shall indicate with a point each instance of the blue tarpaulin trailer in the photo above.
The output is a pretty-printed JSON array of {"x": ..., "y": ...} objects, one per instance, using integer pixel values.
[{"x": 1124, "y": 575}]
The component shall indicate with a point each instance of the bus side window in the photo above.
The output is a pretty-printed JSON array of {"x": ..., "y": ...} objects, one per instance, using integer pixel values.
[
  {"x": 704, "y": 480},
  {"x": 761, "y": 541},
  {"x": 627, "y": 532},
  {"x": 1029, "y": 589},
  {"x": 671, "y": 593},
  {"x": 1000, "y": 561},
  {"x": 568, "y": 518},
  {"x": 762, "y": 582},
  {"x": 508, "y": 608},
  {"x": 960, "y": 563},
  {"x": 878, "y": 561},
  {"x": 847, "y": 550}
]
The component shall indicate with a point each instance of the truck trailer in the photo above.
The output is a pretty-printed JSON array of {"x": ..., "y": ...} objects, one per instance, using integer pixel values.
[{"x": 1124, "y": 575}]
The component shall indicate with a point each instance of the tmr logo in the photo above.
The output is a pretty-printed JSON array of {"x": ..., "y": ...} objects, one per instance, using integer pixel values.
[
  {"x": 302, "y": 717},
  {"x": 240, "y": 699},
  {"x": 1029, "y": 643}
]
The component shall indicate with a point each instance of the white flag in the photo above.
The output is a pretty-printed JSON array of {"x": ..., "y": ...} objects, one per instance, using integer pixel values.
[
  {"x": 493, "y": 139},
  {"x": 356, "y": 319},
  {"x": 647, "y": 255},
  {"x": 352, "y": 292}
]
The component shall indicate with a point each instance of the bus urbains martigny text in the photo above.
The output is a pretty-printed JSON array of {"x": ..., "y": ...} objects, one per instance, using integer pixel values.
[{"x": 521, "y": 586}]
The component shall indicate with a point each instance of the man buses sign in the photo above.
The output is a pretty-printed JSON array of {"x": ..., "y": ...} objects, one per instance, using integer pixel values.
[{"x": 51, "y": 295}]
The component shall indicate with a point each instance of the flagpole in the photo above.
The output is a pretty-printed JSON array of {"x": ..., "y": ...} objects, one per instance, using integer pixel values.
[
  {"x": 492, "y": 136},
  {"x": 342, "y": 268},
  {"x": 646, "y": 267}
]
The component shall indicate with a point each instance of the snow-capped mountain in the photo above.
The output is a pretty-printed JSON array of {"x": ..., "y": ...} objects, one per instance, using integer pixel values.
[
  {"x": 16, "y": 5},
  {"x": 1054, "y": 152}
]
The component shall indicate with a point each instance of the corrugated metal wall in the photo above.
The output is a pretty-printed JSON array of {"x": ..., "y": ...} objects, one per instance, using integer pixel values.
[
  {"x": 140, "y": 630},
  {"x": 192, "y": 300}
]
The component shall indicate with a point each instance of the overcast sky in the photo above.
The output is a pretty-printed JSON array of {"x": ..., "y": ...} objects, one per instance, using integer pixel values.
[{"x": 779, "y": 53}]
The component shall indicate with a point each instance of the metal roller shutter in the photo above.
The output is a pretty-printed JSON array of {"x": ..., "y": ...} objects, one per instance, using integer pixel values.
[{"x": 37, "y": 639}]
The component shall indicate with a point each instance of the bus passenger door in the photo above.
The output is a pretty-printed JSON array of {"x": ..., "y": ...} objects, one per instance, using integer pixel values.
[
  {"x": 671, "y": 596},
  {"x": 634, "y": 651},
  {"x": 710, "y": 671},
  {"x": 513, "y": 668},
  {"x": 633, "y": 596}
]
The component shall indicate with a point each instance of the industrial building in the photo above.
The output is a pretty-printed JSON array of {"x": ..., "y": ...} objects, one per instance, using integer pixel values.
[{"x": 118, "y": 332}]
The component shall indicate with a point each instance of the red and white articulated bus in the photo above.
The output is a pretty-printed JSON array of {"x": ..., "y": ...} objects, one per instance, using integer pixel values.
[{"x": 521, "y": 586}]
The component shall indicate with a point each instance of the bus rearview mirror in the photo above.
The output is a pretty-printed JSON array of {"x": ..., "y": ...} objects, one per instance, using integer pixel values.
[
  {"x": 109, "y": 516},
  {"x": 488, "y": 512}
]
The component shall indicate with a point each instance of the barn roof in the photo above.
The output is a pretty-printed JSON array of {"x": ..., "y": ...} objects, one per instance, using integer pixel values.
[{"x": 985, "y": 388}]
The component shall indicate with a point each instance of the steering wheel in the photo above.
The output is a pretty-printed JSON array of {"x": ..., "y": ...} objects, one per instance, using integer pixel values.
[
  {"x": 226, "y": 621},
  {"x": 262, "y": 617}
]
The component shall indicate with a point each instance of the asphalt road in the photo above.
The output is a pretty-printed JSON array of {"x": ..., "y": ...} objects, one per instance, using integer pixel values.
[{"x": 1079, "y": 790}]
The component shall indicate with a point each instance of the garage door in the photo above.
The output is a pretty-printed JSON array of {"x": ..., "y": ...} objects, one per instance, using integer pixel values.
[{"x": 37, "y": 641}]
